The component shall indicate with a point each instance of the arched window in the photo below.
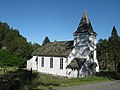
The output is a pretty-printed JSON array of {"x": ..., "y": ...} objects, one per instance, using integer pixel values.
[
  {"x": 51, "y": 62},
  {"x": 61, "y": 63}
]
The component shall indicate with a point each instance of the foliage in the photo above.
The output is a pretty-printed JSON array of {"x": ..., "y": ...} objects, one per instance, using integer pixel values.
[
  {"x": 102, "y": 53},
  {"x": 14, "y": 42},
  {"x": 7, "y": 59},
  {"x": 108, "y": 53},
  {"x": 114, "y": 45},
  {"x": 118, "y": 67},
  {"x": 17, "y": 48},
  {"x": 46, "y": 40},
  {"x": 109, "y": 74},
  {"x": 35, "y": 46},
  {"x": 8, "y": 69}
]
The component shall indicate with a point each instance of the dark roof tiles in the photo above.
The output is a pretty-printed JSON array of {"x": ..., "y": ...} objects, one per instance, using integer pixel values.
[{"x": 58, "y": 48}]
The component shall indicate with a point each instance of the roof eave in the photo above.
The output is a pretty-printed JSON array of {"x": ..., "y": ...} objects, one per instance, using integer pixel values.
[{"x": 51, "y": 55}]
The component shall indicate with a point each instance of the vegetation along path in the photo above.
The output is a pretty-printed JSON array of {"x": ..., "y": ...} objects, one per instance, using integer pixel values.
[{"x": 112, "y": 85}]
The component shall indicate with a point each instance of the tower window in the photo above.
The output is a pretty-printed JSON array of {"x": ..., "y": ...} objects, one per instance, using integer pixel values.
[
  {"x": 51, "y": 62},
  {"x": 61, "y": 63}
]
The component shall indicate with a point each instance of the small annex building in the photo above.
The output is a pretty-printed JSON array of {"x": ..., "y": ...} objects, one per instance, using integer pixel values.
[{"x": 75, "y": 58}]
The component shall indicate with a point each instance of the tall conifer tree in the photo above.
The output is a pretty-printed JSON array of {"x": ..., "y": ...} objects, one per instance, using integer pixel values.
[
  {"x": 114, "y": 47},
  {"x": 46, "y": 40}
]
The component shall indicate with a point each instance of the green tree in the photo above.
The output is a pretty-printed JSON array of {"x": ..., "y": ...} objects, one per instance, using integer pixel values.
[
  {"x": 24, "y": 49},
  {"x": 12, "y": 41},
  {"x": 114, "y": 47},
  {"x": 46, "y": 40},
  {"x": 35, "y": 46},
  {"x": 7, "y": 59},
  {"x": 102, "y": 53},
  {"x": 4, "y": 29}
]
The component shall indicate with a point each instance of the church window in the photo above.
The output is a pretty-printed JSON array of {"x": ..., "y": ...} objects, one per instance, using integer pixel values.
[
  {"x": 42, "y": 62},
  {"x": 51, "y": 62},
  {"x": 61, "y": 63}
]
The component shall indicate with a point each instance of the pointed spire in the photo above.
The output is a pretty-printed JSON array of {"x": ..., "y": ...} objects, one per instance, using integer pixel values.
[
  {"x": 84, "y": 25},
  {"x": 85, "y": 16}
]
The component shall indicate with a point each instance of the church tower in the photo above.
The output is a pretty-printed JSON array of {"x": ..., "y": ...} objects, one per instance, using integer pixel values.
[{"x": 85, "y": 44}]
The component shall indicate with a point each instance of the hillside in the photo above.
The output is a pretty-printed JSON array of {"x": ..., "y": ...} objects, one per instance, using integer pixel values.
[{"x": 13, "y": 42}]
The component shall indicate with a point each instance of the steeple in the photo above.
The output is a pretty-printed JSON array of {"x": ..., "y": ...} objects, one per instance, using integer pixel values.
[
  {"x": 84, "y": 25},
  {"x": 85, "y": 16}
]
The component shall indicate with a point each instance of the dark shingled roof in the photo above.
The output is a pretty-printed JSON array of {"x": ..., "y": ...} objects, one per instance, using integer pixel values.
[
  {"x": 57, "y": 48},
  {"x": 76, "y": 63},
  {"x": 85, "y": 25}
]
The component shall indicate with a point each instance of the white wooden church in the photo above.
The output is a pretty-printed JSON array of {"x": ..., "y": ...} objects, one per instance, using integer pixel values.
[{"x": 75, "y": 58}]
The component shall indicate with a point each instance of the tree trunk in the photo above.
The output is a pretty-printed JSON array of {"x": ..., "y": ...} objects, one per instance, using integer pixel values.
[
  {"x": 105, "y": 60},
  {"x": 115, "y": 65},
  {"x": 78, "y": 73}
]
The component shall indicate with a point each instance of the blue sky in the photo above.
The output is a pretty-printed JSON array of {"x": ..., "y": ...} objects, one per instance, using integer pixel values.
[{"x": 58, "y": 19}]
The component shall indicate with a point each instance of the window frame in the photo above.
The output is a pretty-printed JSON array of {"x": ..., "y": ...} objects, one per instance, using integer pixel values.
[
  {"x": 42, "y": 62},
  {"x": 51, "y": 62},
  {"x": 61, "y": 63}
]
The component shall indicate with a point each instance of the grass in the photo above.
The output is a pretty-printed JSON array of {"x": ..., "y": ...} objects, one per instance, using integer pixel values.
[
  {"x": 86, "y": 80},
  {"x": 8, "y": 69},
  {"x": 23, "y": 79},
  {"x": 48, "y": 81}
]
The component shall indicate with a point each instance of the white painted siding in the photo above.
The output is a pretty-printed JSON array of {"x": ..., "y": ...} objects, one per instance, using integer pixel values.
[
  {"x": 85, "y": 44},
  {"x": 32, "y": 63},
  {"x": 56, "y": 66}
]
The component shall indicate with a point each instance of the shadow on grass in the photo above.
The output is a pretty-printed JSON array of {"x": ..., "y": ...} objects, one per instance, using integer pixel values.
[
  {"x": 16, "y": 80},
  {"x": 22, "y": 79},
  {"x": 26, "y": 80},
  {"x": 111, "y": 75}
]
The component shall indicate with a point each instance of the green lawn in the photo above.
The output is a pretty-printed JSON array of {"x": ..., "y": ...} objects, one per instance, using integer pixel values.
[
  {"x": 23, "y": 79},
  {"x": 48, "y": 81},
  {"x": 86, "y": 80}
]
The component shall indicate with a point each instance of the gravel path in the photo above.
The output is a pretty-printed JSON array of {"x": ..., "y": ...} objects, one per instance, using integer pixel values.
[{"x": 112, "y": 85}]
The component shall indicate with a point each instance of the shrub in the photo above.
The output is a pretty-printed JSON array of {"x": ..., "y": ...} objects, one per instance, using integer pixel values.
[{"x": 7, "y": 59}]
